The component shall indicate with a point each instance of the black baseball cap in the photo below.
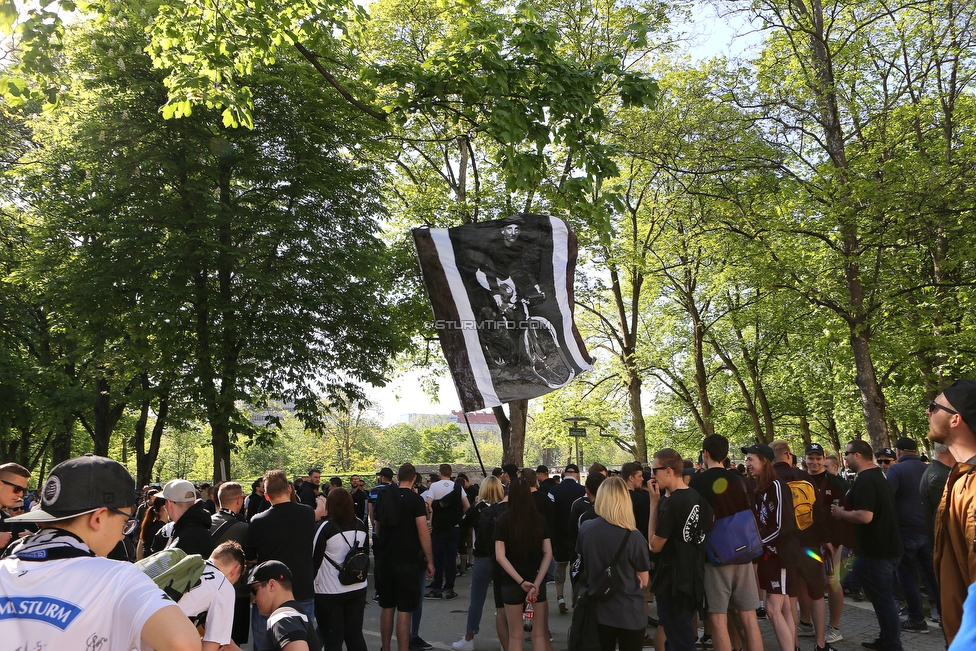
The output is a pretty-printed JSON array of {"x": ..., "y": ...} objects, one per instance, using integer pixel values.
[
  {"x": 511, "y": 470},
  {"x": 572, "y": 467},
  {"x": 885, "y": 452},
  {"x": 759, "y": 448},
  {"x": 815, "y": 448},
  {"x": 81, "y": 485},
  {"x": 385, "y": 472},
  {"x": 542, "y": 469},
  {"x": 961, "y": 396},
  {"x": 269, "y": 570},
  {"x": 905, "y": 443}
]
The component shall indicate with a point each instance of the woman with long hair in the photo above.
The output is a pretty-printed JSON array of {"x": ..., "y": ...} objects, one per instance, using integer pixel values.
[
  {"x": 338, "y": 607},
  {"x": 155, "y": 519},
  {"x": 481, "y": 518},
  {"x": 774, "y": 514},
  {"x": 620, "y": 619},
  {"x": 522, "y": 553}
]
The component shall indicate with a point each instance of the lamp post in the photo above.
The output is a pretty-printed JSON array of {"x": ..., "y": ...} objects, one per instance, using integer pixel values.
[{"x": 577, "y": 433}]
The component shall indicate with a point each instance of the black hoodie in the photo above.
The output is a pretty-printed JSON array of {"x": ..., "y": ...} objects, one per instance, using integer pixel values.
[{"x": 191, "y": 533}]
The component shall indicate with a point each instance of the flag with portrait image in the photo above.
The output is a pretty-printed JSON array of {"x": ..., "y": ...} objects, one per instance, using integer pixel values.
[{"x": 502, "y": 297}]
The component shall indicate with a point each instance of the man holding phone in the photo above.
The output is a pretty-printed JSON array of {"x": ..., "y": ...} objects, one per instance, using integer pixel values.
[{"x": 13, "y": 487}]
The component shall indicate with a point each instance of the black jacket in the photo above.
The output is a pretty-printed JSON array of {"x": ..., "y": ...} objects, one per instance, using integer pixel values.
[{"x": 191, "y": 533}]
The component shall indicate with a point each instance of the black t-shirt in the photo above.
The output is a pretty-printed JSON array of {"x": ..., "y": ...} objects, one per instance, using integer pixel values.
[
  {"x": 880, "y": 537},
  {"x": 679, "y": 568},
  {"x": 284, "y": 533},
  {"x": 525, "y": 560},
  {"x": 288, "y": 623},
  {"x": 359, "y": 504},
  {"x": 640, "y": 499},
  {"x": 398, "y": 540},
  {"x": 725, "y": 490}
]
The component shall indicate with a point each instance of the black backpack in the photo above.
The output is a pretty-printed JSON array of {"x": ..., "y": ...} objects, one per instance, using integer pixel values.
[
  {"x": 354, "y": 567},
  {"x": 448, "y": 510}
]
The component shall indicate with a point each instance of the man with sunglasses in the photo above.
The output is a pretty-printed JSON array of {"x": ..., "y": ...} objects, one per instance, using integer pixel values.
[
  {"x": 13, "y": 487},
  {"x": 952, "y": 422},
  {"x": 57, "y": 589},
  {"x": 885, "y": 458}
]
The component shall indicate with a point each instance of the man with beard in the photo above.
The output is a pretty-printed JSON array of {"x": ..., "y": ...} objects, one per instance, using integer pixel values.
[{"x": 952, "y": 417}]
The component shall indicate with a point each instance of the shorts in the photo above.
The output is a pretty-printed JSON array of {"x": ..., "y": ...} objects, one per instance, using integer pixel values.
[
  {"x": 512, "y": 594},
  {"x": 563, "y": 552},
  {"x": 398, "y": 585},
  {"x": 775, "y": 578},
  {"x": 731, "y": 587},
  {"x": 810, "y": 575}
]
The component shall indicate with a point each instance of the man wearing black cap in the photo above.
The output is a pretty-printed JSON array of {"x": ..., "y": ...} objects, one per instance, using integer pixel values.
[
  {"x": 57, "y": 589},
  {"x": 885, "y": 457},
  {"x": 878, "y": 543},
  {"x": 905, "y": 478},
  {"x": 289, "y": 627},
  {"x": 563, "y": 495},
  {"x": 545, "y": 481},
  {"x": 952, "y": 418},
  {"x": 13, "y": 487},
  {"x": 383, "y": 479},
  {"x": 831, "y": 489}
]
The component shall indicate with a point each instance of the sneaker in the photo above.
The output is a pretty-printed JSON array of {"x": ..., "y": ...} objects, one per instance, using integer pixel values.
[
  {"x": 706, "y": 642},
  {"x": 761, "y": 612},
  {"x": 434, "y": 594},
  {"x": 804, "y": 629},
  {"x": 420, "y": 643},
  {"x": 826, "y": 647},
  {"x": 858, "y": 595},
  {"x": 873, "y": 646},
  {"x": 463, "y": 645},
  {"x": 648, "y": 642},
  {"x": 460, "y": 570},
  {"x": 914, "y": 627},
  {"x": 562, "y": 606},
  {"x": 449, "y": 594},
  {"x": 833, "y": 635},
  {"x": 376, "y": 597}
]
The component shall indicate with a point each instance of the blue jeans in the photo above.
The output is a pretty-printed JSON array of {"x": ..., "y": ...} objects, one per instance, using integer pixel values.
[
  {"x": 419, "y": 611},
  {"x": 259, "y": 624},
  {"x": 875, "y": 575},
  {"x": 445, "y": 544},
  {"x": 480, "y": 580},
  {"x": 675, "y": 615},
  {"x": 918, "y": 557}
]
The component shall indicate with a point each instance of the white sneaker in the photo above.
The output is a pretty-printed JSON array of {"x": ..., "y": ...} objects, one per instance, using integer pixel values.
[
  {"x": 833, "y": 635},
  {"x": 463, "y": 645},
  {"x": 804, "y": 630}
]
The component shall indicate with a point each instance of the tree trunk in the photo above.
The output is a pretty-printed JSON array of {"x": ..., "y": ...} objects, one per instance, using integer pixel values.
[
  {"x": 102, "y": 430},
  {"x": 872, "y": 399},
  {"x": 637, "y": 415},
  {"x": 833, "y": 434},
  {"x": 145, "y": 460},
  {"x": 513, "y": 431},
  {"x": 61, "y": 449},
  {"x": 805, "y": 430}
]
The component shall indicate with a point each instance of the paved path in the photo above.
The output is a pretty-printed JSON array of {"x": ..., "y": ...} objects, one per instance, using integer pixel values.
[{"x": 443, "y": 623}]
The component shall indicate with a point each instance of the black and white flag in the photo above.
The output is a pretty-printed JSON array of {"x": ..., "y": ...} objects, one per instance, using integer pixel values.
[{"x": 502, "y": 295}]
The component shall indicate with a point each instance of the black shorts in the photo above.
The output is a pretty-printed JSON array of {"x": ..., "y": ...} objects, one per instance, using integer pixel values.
[
  {"x": 810, "y": 574},
  {"x": 563, "y": 552},
  {"x": 775, "y": 577},
  {"x": 398, "y": 585},
  {"x": 512, "y": 594}
]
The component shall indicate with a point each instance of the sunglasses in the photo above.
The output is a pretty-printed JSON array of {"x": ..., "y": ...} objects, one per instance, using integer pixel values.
[
  {"x": 131, "y": 522},
  {"x": 654, "y": 470},
  {"x": 932, "y": 407},
  {"x": 18, "y": 489},
  {"x": 885, "y": 462},
  {"x": 256, "y": 587}
]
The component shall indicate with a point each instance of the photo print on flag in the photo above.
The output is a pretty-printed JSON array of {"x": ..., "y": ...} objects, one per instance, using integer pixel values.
[{"x": 502, "y": 296}]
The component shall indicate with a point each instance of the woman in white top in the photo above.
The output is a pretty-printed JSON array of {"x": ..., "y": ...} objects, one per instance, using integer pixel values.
[{"x": 339, "y": 608}]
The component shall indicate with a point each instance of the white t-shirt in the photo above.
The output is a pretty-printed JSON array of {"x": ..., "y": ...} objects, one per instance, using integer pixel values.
[
  {"x": 75, "y": 603},
  {"x": 336, "y": 548},
  {"x": 215, "y": 596},
  {"x": 440, "y": 489}
]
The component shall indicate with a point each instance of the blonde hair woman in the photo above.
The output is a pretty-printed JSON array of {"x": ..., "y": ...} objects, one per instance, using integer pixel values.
[
  {"x": 481, "y": 517},
  {"x": 620, "y": 619}
]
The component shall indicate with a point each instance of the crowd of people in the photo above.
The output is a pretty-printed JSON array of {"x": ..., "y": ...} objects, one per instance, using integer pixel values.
[{"x": 651, "y": 552}]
